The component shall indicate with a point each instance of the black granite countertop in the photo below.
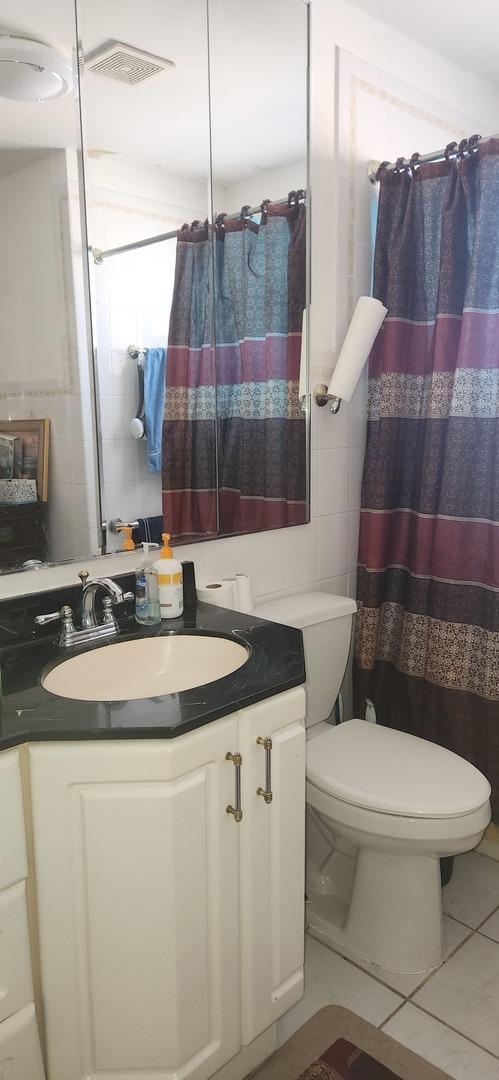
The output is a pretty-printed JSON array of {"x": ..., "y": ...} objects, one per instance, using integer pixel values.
[{"x": 30, "y": 713}]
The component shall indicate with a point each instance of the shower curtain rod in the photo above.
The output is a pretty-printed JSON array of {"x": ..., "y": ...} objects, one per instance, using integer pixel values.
[
  {"x": 423, "y": 159},
  {"x": 99, "y": 256}
]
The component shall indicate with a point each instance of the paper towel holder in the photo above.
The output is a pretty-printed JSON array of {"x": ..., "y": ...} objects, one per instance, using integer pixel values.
[{"x": 321, "y": 398}]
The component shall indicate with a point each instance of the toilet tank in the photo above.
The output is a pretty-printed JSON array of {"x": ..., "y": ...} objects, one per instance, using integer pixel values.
[{"x": 326, "y": 622}]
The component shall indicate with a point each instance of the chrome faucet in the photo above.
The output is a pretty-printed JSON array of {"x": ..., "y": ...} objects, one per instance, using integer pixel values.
[
  {"x": 91, "y": 630},
  {"x": 90, "y": 587}
]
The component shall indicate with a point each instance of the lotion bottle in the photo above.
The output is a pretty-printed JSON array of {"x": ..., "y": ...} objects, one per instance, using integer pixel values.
[{"x": 170, "y": 578}]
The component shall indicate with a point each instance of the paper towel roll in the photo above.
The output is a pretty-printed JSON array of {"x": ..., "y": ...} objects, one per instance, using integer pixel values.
[
  {"x": 361, "y": 335},
  {"x": 243, "y": 592},
  {"x": 221, "y": 593}
]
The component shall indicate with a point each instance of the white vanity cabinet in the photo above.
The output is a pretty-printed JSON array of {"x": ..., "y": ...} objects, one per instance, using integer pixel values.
[
  {"x": 272, "y": 860},
  {"x": 20, "y": 1055},
  {"x": 170, "y": 933}
]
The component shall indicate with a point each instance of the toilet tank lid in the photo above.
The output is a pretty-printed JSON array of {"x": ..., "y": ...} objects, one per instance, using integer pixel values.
[{"x": 305, "y": 609}]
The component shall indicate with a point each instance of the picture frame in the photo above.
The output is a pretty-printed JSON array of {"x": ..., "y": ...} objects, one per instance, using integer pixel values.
[{"x": 34, "y": 437}]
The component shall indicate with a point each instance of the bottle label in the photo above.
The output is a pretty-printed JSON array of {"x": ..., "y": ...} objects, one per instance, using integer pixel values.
[{"x": 170, "y": 579}]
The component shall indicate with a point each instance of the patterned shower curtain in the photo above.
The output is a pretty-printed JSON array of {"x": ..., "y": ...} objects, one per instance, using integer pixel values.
[
  {"x": 427, "y": 639},
  {"x": 234, "y": 434},
  {"x": 189, "y": 423},
  {"x": 260, "y": 288}
]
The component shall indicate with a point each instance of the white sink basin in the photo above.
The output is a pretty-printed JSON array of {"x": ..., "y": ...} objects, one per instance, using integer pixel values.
[{"x": 145, "y": 668}]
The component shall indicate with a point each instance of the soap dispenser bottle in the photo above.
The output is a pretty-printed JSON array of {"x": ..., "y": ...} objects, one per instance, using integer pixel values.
[
  {"x": 170, "y": 578},
  {"x": 147, "y": 610}
]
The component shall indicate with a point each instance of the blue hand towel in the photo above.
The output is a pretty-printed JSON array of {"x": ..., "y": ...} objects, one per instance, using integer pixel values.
[{"x": 154, "y": 400}]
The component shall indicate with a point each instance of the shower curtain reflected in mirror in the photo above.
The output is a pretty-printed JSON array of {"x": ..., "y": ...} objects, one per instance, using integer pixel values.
[
  {"x": 427, "y": 641},
  {"x": 247, "y": 386},
  {"x": 189, "y": 435}
]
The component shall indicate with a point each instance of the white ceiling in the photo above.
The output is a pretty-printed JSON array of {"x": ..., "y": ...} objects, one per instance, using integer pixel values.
[
  {"x": 258, "y": 87},
  {"x": 465, "y": 32}
]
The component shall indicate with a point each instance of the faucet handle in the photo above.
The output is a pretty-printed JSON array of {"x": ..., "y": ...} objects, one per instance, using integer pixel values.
[
  {"x": 53, "y": 616},
  {"x": 83, "y": 576},
  {"x": 66, "y": 617},
  {"x": 107, "y": 611}
]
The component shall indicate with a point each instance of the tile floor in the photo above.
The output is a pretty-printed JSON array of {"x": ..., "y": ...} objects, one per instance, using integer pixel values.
[{"x": 452, "y": 1017}]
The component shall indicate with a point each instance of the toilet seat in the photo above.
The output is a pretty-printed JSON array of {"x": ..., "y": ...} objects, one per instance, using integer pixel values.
[{"x": 380, "y": 769}]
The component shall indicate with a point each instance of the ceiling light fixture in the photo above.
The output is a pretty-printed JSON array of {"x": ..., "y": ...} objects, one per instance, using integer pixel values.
[{"x": 32, "y": 71}]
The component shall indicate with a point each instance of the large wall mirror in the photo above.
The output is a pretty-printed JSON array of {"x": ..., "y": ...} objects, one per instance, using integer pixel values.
[
  {"x": 48, "y": 479},
  {"x": 195, "y": 133},
  {"x": 155, "y": 220}
]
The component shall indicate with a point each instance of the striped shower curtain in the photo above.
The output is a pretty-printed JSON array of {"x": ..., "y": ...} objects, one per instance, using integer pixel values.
[
  {"x": 260, "y": 289},
  {"x": 189, "y": 423},
  {"x": 234, "y": 434},
  {"x": 427, "y": 639}
]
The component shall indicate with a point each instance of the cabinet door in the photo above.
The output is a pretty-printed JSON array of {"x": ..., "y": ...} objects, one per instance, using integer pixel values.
[
  {"x": 272, "y": 861},
  {"x": 13, "y": 862},
  {"x": 137, "y": 882},
  {"x": 20, "y": 1057}
]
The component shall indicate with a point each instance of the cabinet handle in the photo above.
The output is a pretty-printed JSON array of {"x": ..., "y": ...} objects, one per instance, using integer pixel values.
[
  {"x": 236, "y": 810},
  {"x": 267, "y": 790}
]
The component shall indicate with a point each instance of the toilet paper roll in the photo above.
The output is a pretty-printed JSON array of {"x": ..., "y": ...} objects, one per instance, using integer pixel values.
[
  {"x": 361, "y": 335},
  {"x": 243, "y": 594},
  {"x": 221, "y": 593}
]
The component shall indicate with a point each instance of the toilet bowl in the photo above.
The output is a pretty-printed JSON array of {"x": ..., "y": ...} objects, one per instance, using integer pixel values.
[
  {"x": 399, "y": 804},
  {"x": 382, "y": 808}
]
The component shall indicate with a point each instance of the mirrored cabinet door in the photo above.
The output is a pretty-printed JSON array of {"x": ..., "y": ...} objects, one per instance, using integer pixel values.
[
  {"x": 197, "y": 307},
  {"x": 48, "y": 479},
  {"x": 146, "y": 124},
  {"x": 259, "y": 127}
]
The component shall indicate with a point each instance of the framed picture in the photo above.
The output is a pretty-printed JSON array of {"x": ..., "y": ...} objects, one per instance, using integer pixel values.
[{"x": 24, "y": 452}]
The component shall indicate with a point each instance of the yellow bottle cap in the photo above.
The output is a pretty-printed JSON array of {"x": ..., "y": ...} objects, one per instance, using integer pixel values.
[
  {"x": 166, "y": 551},
  {"x": 128, "y": 544}
]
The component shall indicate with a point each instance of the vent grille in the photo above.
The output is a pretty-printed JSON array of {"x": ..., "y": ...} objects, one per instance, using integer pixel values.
[{"x": 124, "y": 63}]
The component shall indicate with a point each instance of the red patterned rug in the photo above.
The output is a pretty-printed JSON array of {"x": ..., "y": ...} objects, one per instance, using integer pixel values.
[
  {"x": 336, "y": 1044},
  {"x": 344, "y": 1061}
]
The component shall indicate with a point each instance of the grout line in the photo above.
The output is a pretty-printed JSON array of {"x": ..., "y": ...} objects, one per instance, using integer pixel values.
[
  {"x": 391, "y": 1015},
  {"x": 439, "y": 968},
  {"x": 487, "y": 917},
  {"x": 355, "y": 964},
  {"x": 460, "y": 921},
  {"x": 456, "y": 1031}
]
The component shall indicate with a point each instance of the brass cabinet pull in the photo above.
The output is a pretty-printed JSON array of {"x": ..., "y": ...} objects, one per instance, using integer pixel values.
[
  {"x": 267, "y": 790},
  {"x": 236, "y": 810}
]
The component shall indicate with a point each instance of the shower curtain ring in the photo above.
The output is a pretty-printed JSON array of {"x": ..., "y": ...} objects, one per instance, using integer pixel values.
[
  {"x": 449, "y": 149},
  {"x": 414, "y": 160},
  {"x": 244, "y": 212},
  {"x": 381, "y": 168},
  {"x": 473, "y": 143}
]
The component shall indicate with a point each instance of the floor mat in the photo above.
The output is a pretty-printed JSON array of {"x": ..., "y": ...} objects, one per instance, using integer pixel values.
[{"x": 335, "y": 1044}]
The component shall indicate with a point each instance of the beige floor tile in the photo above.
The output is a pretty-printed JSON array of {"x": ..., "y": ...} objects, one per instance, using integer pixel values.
[
  {"x": 454, "y": 934},
  {"x": 491, "y": 927},
  {"x": 330, "y": 980},
  {"x": 442, "y": 1047},
  {"x": 473, "y": 892},
  {"x": 465, "y": 992}
]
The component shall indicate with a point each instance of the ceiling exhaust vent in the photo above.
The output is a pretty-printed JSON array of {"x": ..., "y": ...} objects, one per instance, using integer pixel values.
[{"x": 125, "y": 63}]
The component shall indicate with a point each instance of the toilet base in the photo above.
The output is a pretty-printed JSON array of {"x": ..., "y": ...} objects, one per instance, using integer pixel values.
[{"x": 394, "y": 917}]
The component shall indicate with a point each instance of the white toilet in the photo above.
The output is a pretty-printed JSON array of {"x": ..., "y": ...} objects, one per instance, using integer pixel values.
[{"x": 383, "y": 807}]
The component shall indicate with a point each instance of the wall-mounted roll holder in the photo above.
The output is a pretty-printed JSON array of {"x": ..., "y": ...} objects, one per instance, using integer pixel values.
[{"x": 322, "y": 397}]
